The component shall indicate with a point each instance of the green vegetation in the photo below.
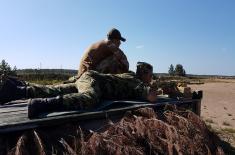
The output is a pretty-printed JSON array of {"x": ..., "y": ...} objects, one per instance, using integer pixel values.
[
  {"x": 171, "y": 70},
  {"x": 46, "y": 71},
  {"x": 44, "y": 78},
  {"x": 178, "y": 70},
  {"x": 39, "y": 76},
  {"x": 6, "y": 69}
]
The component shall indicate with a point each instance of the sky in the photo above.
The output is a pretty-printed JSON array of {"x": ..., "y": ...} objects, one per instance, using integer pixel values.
[{"x": 199, "y": 34}]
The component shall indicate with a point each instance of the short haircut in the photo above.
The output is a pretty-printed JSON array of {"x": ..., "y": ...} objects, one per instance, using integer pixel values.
[{"x": 143, "y": 68}]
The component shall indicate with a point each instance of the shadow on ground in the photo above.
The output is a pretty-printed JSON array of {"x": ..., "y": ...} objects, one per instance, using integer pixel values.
[{"x": 227, "y": 148}]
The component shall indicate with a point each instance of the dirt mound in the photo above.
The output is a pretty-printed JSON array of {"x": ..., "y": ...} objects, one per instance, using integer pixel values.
[{"x": 138, "y": 132}]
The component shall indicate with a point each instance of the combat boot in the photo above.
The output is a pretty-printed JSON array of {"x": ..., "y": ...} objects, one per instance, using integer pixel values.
[
  {"x": 11, "y": 90},
  {"x": 38, "y": 106}
]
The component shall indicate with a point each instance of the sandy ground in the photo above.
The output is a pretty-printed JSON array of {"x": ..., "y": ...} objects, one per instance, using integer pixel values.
[{"x": 218, "y": 103}]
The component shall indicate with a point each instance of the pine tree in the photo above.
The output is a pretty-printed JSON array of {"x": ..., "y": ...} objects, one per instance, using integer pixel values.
[
  {"x": 171, "y": 70},
  {"x": 179, "y": 70},
  {"x": 5, "y": 68}
]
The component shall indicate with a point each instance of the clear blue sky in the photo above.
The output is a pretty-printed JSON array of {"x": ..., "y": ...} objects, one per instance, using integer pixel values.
[{"x": 199, "y": 34}]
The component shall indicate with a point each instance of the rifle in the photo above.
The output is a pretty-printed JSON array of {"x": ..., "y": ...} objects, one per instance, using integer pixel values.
[{"x": 168, "y": 87}]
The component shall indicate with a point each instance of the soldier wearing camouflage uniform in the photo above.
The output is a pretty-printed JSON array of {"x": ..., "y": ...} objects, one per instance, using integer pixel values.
[
  {"x": 105, "y": 56},
  {"x": 88, "y": 90}
]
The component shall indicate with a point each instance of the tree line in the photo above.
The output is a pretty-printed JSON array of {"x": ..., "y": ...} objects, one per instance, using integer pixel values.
[
  {"x": 6, "y": 69},
  {"x": 178, "y": 70},
  {"x": 62, "y": 74},
  {"x": 37, "y": 75}
]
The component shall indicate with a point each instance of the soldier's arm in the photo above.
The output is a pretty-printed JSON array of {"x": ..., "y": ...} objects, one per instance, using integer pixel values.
[
  {"x": 146, "y": 93},
  {"x": 122, "y": 59},
  {"x": 88, "y": 62},
  {"x": 152, "y": 96}
]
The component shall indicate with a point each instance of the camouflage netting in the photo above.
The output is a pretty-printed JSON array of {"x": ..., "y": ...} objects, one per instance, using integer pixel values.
[{"x": 138, "y": 132}]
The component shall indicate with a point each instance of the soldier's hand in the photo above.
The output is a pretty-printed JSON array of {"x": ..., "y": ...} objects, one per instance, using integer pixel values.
[{"x": 152, "y": 96}]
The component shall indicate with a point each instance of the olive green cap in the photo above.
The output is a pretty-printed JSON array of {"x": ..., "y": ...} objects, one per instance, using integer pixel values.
[{"x": 115, "y": 34}]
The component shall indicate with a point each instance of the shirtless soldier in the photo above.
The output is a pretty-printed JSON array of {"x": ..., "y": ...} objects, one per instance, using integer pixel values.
[{"x": 105, "y": 56}]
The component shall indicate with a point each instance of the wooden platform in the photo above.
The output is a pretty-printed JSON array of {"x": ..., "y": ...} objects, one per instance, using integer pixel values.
[{"x": 13, "y": 115}]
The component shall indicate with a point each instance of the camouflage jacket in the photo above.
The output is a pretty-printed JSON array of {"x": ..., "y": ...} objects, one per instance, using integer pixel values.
[{"x": 112, "y": 86}]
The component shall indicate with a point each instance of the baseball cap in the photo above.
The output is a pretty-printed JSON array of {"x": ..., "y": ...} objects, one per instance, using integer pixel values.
[{"x": 115, "y": 34}]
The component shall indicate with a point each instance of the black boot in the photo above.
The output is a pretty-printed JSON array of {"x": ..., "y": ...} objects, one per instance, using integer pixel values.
[
  {"x": 44, "y": 105},
  {"x": 10, "y": 90}
]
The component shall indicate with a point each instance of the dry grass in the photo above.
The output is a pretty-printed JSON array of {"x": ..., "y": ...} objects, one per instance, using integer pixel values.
[
  {"x": 226, "y": 123},
  {"x": 227, "y": 136},
  {"x": 209, "y": 120},
  {"x": 229, "y": 130},
  {"x": 217, "y": 80}
]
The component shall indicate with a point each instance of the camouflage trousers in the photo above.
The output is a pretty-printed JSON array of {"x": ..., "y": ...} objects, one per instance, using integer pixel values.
[{"x": 91, "y": 88}]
